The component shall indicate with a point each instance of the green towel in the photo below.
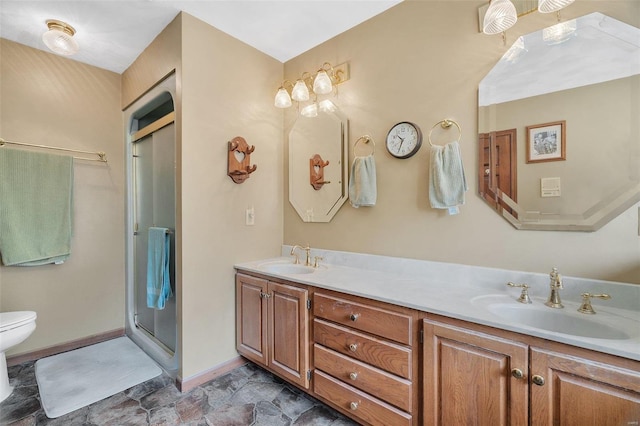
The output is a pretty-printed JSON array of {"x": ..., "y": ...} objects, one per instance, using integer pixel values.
[{"x": 36, "y": 206}]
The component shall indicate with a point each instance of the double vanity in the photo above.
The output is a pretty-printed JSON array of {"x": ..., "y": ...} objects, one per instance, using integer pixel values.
[{"x": 390, "y": 341}]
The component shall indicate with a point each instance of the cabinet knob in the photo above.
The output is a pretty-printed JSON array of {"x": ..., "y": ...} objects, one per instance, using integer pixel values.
[
  {"x": 353, "y": 405},
  {"x": 353, "y": 347},
  {"x": 354, "y": 317},
  {"x": 538, "y": 380},
  {"x": 353, "y": 375},
  {"x": 517, "y": 373}
]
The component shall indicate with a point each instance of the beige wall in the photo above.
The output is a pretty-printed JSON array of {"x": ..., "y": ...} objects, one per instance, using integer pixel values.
[
  {"x": 227, "y": 91},
  {"x": 224, "y": 90},
  {"x": 421, "y": 61},
  {"x": 47, "y": 99}
]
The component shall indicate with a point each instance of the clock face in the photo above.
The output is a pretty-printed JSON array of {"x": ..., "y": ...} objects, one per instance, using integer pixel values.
[{"x": 404, "y": 140}]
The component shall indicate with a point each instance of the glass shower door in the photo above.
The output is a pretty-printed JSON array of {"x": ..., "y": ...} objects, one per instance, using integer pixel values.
[{"x": 154, "y": 200}]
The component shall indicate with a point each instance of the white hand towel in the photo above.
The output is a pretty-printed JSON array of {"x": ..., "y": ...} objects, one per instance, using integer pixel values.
[
  {"x": 362, "y": 182},
  {"x": 447, "y": 182}
]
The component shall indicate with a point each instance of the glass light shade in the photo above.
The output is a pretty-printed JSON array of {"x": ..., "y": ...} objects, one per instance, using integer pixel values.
[
  {"x": 310, "y": 110},
  {"x": 327, "y": 106},
  {"x": 322, "y": 84},
  {"x": 283, "y": 100},
  {"x": 59, "y": 38},
  {"x": 549, "y": 6},
  {"x": 300, "y": 92},
  {"x": 501, "y": 15}
]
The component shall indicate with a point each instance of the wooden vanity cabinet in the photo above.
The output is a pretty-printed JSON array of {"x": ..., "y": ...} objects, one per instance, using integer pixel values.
[
  {"x": 272, "y": 326},
  {"x": 364, "y": 362},
  {"x": 475, "y": 375}
]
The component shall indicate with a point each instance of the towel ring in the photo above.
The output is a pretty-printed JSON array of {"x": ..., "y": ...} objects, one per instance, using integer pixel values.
[
  {"x": 366, "y": 139},
  {"x": 445, "y": 124}
]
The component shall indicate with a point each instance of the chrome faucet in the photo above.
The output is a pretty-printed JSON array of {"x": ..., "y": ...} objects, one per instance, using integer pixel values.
[
  {"x": 556, "y": 285},
  {"x": 307, "y": 249}
]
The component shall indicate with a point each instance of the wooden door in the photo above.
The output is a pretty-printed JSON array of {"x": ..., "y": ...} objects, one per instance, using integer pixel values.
[
  {"x": 251, "y": 318},
  {"x": 498, "y": 167},
  {"x": 467, "y": 378},
  {"x": 582, "y": 392},
  {"x": 289, "y": 332}
]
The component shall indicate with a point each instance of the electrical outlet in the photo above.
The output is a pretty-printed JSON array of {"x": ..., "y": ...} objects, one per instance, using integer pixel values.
[{"x": 249, "y": 216}]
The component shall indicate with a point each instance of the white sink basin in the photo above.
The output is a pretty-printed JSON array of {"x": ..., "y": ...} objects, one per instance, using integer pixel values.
[
  {"x": 566, "y": 321},
  {"x": 286, "y": 268}
]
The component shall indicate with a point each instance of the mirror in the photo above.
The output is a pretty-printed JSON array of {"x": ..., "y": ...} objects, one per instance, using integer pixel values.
[
  {"x": 558, "y": 126},
  {"x": 318, "y": 175}
]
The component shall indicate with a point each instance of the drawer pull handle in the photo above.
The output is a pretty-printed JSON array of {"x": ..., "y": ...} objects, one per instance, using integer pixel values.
[
  {"x": 517, "y": 373},
  {"x": 353, "y": 375},
  {"x": 353, "y": 405},
  {"x": 538, "y": 380},
  {"x": 354, "y": 317},
  {"x": 353, "y": 347}
]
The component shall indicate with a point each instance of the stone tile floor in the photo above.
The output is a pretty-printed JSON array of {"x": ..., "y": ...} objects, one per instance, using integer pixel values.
[{"x": 246, "y": 396}]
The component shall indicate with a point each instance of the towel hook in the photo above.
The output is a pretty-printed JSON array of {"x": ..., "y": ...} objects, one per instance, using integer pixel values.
[
  {"x": 366, "y": 139},
  {"x": 445, "y": 124}
]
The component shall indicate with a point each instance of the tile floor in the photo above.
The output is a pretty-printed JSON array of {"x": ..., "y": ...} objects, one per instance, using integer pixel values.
[{"x": 246, "y": 396}]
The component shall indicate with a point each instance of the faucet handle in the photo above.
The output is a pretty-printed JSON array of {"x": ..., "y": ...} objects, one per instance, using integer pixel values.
[
  {"x": 524, "y": 295},
  {"x": 586, "y": 307},
  {"x": 316, "y": 261}
]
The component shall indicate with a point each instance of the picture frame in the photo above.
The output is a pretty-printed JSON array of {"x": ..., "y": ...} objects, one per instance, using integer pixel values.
[{"x": 546, "y": 142}]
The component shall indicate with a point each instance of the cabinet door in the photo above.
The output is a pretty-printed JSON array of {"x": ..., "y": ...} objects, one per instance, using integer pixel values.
[
  {"x": 289, "y": 332},
  {"x": 468, "y": 378},
  {"x": 578, "y": 391},
  {"x": 251, "y": 318}
]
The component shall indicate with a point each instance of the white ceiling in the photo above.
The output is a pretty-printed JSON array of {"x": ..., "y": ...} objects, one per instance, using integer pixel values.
[{"x": 112, "y": 33}]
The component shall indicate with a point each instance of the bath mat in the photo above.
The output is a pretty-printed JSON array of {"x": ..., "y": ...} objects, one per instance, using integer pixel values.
[{"x": 75, "y": 379}]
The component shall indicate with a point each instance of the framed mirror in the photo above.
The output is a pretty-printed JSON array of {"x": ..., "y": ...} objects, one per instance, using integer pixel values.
[
  {"x": 318, "y": 170},
  {"x": 559, "y": 135}
]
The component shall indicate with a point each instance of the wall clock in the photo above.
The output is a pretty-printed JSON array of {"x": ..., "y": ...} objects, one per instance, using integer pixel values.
[{"x": 404, "y": 140}]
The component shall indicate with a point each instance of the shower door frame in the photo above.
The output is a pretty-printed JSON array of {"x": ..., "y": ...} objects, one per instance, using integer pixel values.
[{"x": 168, "y": 360}]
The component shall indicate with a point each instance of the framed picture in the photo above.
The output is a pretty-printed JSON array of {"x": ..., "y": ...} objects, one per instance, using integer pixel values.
[{"x": 546, "y": 142}]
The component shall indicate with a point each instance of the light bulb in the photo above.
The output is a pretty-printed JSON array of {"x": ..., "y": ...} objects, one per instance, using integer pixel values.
[
  {"x": 283, "y": 100},
  {"x": 300, "y": 92},
  {"x": 500, "y": 16},
  {"x": 322, "y": 84}
]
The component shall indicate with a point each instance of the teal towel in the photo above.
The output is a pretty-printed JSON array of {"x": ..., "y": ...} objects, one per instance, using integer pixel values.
[
  {"x": 36, "y": 207},
  {"x": 447, "y": 182},
  {"x": 362, "y": 182},
  {"x": 158, "y": 278}
]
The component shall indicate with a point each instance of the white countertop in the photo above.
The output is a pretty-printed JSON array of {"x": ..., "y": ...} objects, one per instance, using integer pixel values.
[{"x": 458, "y": 291}]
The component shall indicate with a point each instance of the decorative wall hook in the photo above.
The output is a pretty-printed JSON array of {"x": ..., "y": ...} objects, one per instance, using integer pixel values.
[
  {"x": 239, "y": 160},
  {"x": 316, "y": 171}
]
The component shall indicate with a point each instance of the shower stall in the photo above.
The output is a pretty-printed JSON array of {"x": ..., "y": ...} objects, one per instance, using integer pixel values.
[{"x": 151, "y": 201}]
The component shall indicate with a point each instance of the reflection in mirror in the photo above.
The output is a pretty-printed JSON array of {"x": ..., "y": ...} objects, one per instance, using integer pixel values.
[
  {"x": 318, "y": 146},
  {"x": 585, "y": 73}
]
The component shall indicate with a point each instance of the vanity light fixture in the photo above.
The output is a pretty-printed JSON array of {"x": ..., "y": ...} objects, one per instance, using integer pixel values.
[
  {"x": 550, "y": 6},
  {"x": 309, "y": 86},
  {"x": 501, "y": 15},
  {"x": 59, "y": 38}
]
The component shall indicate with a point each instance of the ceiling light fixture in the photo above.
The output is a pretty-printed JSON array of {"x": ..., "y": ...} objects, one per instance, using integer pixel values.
[
  {"x": 59, "y": 38},
  {"x": 310, "y": 86}
]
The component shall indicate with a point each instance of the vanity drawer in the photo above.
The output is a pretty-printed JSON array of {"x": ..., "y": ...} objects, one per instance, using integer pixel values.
[
  {"x": 385, "y": 386},
  {"x": 385, "y": 355},
  {"x": 382, "y": 322},
  {"x": 359, "y": 404}
]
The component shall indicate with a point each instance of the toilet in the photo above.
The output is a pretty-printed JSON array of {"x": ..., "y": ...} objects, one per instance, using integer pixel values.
[{"x": 15, "y": 327}]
